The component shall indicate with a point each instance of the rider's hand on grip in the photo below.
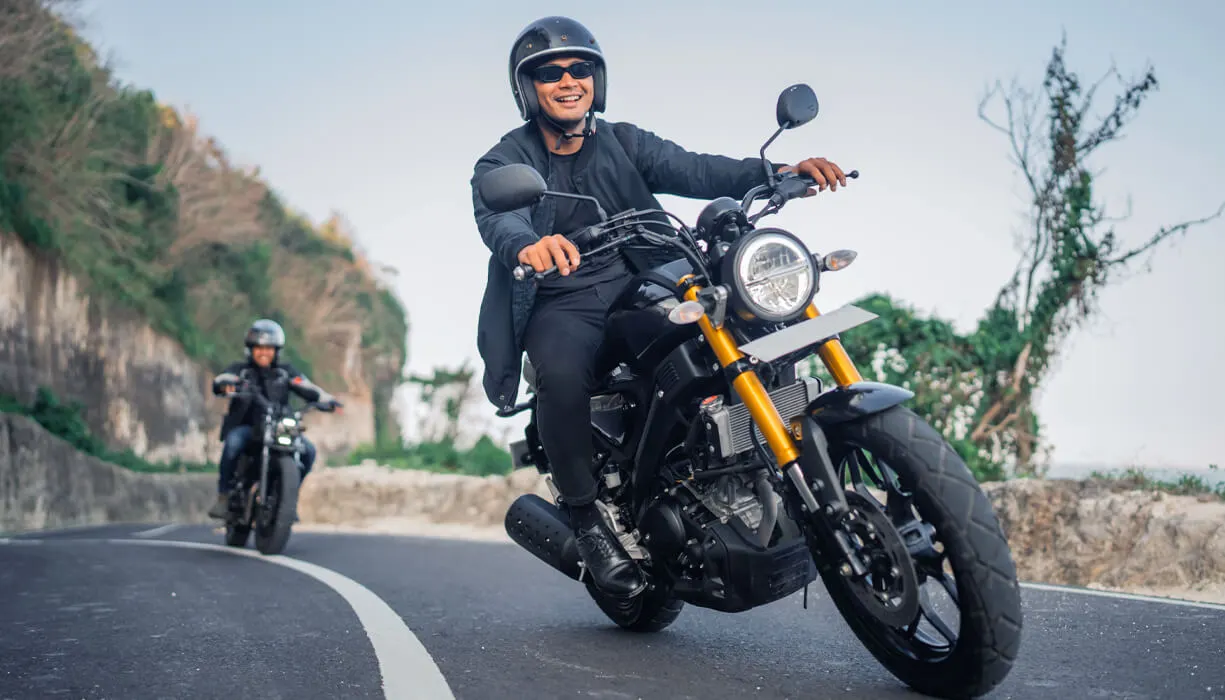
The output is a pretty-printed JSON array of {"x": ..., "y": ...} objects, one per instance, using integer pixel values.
[
  {"x": 549, "y": 251},
  {"x": 226, "y": 383},
  {"x": 822, "y": 172}
]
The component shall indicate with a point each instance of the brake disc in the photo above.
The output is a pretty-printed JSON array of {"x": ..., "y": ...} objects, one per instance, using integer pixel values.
[{"x": 890, "y": 590}]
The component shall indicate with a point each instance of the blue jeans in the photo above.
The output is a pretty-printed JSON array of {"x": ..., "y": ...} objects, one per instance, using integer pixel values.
[{"x": 236, "y": 441}]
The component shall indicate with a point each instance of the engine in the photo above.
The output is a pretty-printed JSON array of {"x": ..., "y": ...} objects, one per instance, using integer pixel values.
[{"x": 731, "y": 496}]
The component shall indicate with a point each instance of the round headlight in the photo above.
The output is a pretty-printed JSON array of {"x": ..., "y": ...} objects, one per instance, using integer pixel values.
[{"x": 774, "y": 276}]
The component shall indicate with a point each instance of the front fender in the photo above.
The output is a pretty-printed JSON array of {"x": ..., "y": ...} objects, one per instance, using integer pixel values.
[{"x": 860, "y": 399}]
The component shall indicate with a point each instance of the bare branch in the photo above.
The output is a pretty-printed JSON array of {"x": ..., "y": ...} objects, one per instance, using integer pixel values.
[
  {"x": 1163, "y": 234},
  {"x": 1118, "y": 219},
  {"x": 1013, "y": 395},
  {"x": 1125, "y": 107},
  {"x": 994, "y": 91}
]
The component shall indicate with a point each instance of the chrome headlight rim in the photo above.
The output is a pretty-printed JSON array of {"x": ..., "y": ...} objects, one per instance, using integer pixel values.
[{"x": 736, "y": 258}]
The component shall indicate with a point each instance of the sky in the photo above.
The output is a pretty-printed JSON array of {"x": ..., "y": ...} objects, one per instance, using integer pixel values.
[{"x": 380, "y": 109}]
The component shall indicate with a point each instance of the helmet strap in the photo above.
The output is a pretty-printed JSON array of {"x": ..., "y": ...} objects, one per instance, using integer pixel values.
[{"x": 563, "y": 134}]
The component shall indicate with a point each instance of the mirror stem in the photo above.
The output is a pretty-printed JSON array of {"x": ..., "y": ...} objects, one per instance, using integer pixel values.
[
  {"x": 770, "y": 175},
  {"x": 582, "y": 198}
]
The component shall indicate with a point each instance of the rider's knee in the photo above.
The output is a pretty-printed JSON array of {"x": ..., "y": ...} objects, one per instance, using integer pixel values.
[
  {"x": 308, "y": 454},
  {"x": 565, "y": 379},
  {"x": 234, "y": 442}
]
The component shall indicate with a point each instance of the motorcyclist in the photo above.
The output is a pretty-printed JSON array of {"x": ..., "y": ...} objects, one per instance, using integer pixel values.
[
  {"x": 559, "y": 80},
  {"x": 263, "y": 372}
]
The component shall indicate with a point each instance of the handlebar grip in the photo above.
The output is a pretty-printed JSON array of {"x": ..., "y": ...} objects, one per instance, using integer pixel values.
[
  {"x": 853, "y": 175},
  {"x": 522, "y": 272}
]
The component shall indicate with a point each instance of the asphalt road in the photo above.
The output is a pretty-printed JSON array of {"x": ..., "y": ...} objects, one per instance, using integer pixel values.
[{"x": 106, "y": 613}]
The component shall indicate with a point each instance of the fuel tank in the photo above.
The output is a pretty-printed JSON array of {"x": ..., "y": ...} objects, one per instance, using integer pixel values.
[{"x": 637, "y": 321}]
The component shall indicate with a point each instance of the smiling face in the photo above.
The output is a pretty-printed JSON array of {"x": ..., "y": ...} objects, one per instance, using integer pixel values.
[
  {"x": 568, "y": 100},
  {"x": 262, "y": 355}
]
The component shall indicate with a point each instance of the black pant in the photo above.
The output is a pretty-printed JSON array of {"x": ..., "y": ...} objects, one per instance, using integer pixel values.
[{"x": 563, "y": 340}]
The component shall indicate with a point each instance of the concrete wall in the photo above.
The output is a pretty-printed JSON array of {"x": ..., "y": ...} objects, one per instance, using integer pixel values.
[{"x": 46, "y": 483}]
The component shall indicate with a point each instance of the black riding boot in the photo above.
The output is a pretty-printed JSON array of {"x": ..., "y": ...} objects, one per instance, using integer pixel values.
[{"x": 612, "y": 569}]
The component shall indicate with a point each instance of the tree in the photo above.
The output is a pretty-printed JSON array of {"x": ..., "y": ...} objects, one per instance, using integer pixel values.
[
  {"x": 979, "y": 389},
  {"x": 1072, "y": 251},
  {"x": 448, "y": 397},
  {"x": 217, "y": 201}
]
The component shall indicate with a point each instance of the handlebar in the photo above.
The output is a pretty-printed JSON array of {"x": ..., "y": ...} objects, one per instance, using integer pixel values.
[
  {"x": 586, "y": 238},
  {"x": 788, "y": 186},
  {"x": 248, "y": 393}
]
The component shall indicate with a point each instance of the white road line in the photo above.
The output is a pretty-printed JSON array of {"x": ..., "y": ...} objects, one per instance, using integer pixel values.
[
  {"x": 68, "y": 529},
  {"x": 1122, "y": 596},
  {"x": 1054, "y": 588},
  {"x": 157, "y": 530},
  {"x": 408, "y": 670}
]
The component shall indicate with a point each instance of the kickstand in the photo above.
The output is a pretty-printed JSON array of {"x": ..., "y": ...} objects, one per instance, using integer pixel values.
[
  {"x": 582, "y": 570},
  {"x": 806, "y": 596}
]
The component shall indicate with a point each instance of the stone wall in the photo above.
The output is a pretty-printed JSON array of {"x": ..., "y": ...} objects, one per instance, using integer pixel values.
[
  {"x": 45, "y": 483},
  {"x": 1095, "y": 532},
  {"x": 1086, "y": 533}
]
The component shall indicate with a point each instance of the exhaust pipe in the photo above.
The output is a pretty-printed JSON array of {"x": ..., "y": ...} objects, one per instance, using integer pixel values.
[{"x": 540, "y": 528}]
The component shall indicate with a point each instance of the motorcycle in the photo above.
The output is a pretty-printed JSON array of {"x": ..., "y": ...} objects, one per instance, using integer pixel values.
[
  {"x": 734, "y": 481},
  {"x": 267, "y": 476}
]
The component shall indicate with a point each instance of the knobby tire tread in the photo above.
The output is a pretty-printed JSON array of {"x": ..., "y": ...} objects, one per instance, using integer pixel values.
[{"x": 946, "y": 491}]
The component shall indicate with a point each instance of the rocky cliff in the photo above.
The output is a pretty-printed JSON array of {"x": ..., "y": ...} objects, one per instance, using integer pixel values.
[
  {"x": 139, "y": 388},
  {"x": 134, "y": 252}
]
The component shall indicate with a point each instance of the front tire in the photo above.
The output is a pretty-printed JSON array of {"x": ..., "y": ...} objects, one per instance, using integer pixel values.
[
  {"x": 947, "y": 497},
  {"x": 274, "y": 520},
  {"x": 237, "y": 531},
  {"x": 237, "y": 535}
]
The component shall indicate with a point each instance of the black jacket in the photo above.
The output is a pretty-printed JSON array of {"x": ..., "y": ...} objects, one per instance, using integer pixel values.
[
  {"x": 275, "y": 383},
  {"x": 621, "y": 165}
]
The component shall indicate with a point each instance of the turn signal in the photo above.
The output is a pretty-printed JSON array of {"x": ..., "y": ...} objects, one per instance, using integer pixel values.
[
  {"x": 838, "y": 259},
  {"x": 686, "y": 312}
]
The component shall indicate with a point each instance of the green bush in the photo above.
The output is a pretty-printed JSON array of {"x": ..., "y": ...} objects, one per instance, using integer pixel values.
[
  {"x": 1185, "y": 485},
  {"x": 67, "y": 422},
  {"x": 484, "y": 458}
]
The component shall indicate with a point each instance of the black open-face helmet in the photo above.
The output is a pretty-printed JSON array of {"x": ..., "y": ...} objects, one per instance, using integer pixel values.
[
  {"x": 548, "y": 38},
  {"x": 265, "y": 332}
]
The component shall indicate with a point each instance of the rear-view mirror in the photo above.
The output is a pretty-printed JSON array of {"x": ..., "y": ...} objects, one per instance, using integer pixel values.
[
  {"x": 797, "y": 105},
  {"x": 511, "y": 187}
]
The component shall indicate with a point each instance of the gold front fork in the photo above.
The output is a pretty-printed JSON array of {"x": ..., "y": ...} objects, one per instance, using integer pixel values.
[
  {"x": 754, "y": 395},
  {"x": 749, "y": 388},
  {"x": 834, "y": 356}
]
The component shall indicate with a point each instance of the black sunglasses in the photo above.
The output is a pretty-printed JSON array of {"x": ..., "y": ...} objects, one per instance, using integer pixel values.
[{"x": 551, "y": 73}]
